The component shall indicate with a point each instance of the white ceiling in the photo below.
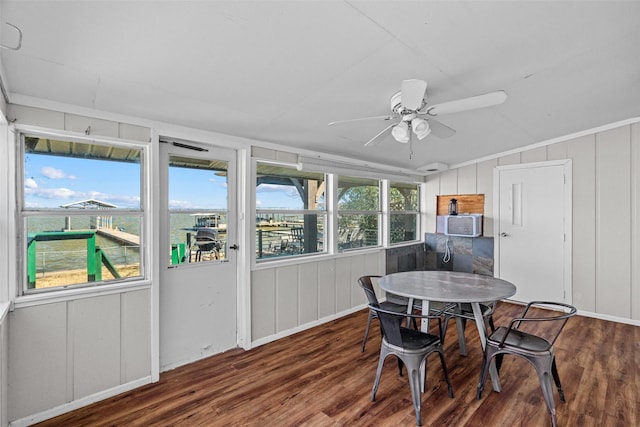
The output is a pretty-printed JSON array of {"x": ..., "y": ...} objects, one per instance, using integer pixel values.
[{"x": 279, "y": 71}]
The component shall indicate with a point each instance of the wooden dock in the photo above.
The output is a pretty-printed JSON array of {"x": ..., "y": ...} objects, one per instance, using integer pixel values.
[{"x": 119, "y": 236}]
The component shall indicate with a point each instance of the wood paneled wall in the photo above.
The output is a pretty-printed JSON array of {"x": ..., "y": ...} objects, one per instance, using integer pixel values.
[{"x": 606, "y": 212}]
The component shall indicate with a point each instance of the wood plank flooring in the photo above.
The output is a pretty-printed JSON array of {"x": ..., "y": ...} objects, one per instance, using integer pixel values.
[{"x": 320, "y": 377}]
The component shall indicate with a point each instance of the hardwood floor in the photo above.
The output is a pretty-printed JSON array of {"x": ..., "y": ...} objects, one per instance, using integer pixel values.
[{"x": 320, "y": 377}]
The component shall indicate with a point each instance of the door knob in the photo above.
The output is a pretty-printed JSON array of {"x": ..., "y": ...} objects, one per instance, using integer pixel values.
[
  {"x": 503, "y": 234},
  {"x": 234, "y": 247}
]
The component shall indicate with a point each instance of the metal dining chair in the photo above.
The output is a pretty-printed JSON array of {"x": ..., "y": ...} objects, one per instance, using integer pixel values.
[
  {"x": 366, "y": 284},
  {"x": 462, "y": 312},
  {"x": 536, "y": 348},
  {"x": 411, "y": 347}
]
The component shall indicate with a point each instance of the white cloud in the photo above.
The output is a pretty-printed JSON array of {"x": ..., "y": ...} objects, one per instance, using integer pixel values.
[
  {"x": 63, "y": 193},
  {"x": 50, "y": 193},
  {"x": 52, "y": 173},
  {"x": 30, "y": 183},
  {"x": 66, "y": 194}
]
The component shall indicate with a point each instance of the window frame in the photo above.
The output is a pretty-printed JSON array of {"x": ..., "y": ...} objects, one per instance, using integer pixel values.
[
  {"x": 416, "y": 213},
  {"x": 223, "y": 253},
  {"x": 257, "y": 212},
  {"x": 24, "y": 213},
  {"x": 379, "y": 213}
]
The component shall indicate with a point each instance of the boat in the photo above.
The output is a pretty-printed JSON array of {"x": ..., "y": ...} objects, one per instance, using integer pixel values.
[{"x": 206, "y": 220}]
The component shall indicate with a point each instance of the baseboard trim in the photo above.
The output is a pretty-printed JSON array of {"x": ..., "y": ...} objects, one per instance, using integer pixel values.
[
  {"x": 282, "y": 334},
  {"x": 79, "y": 403}
]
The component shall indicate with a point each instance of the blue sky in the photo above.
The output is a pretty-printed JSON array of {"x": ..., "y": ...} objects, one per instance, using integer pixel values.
[{"x": 52, "y": 181}]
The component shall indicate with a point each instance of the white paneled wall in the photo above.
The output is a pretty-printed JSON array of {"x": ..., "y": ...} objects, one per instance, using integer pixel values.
[
  {"x": 327, "y": 294},
  {"x": 65, "y": 351},
  {"x": 606, "y": 214},
  {"x": 290, "y": 298},
  {"x": 71, "y": 122},
  {"x": 583, "y": 155},
  {"x": 613, "y": 222}
]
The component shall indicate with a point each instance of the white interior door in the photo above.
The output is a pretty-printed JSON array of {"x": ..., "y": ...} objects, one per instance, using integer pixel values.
[
  {"x": 198, "y": 285},
  {"x": 533, "y": 234}
]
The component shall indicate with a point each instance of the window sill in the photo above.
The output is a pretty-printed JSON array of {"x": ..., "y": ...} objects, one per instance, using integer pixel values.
[
  {"x": 64, "y": 295},
  {"x": 273, "y": 263},
  {"x": 406, "y": 243}
]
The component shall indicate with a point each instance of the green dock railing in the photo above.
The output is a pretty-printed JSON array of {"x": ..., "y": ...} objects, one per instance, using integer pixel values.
[{"x": 96, "y": 258}]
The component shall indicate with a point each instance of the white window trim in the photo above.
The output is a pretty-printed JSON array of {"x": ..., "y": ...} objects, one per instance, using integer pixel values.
[
  {"x": 417, "y": 213},
  {"x": 382, "y": 218},
  {"x": 294, "y": 259},
  {"x": 17, "y": 264}
]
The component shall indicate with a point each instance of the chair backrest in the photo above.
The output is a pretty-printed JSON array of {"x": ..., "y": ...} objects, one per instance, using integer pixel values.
[
  {"x": 390, "y": 324},
  {"x": 367, "y": 285},
  {"x": 559, "y": 317}
]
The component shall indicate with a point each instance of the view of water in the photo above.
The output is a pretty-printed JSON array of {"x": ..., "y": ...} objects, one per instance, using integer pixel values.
[
  {"x": 59, "y": 255},
  {"x": 274, "y": 238}
]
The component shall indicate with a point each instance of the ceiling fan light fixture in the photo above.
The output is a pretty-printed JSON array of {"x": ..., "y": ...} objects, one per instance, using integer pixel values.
[
  {"x": 401, "y": 132},
  {"x": 420, "y": 127}
]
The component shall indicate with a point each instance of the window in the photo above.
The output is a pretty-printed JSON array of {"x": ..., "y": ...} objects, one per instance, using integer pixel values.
[
  {"x": 290, "y": 212},
  {"x": 404, "y": 212},
  {"x": 198, "y": 209},
  {"x": 81, "y": 212},
  {"x": 358, "y": 212}
]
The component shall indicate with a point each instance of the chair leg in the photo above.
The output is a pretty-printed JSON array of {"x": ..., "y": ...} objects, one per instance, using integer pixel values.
[
  {"x": 547, "y": 392},
  {"x": 544, "y": 368},
  {"x": 499, "y": 358},
  {"x": 556, "y": 379},
  {"x": 444, "y": 328},
  {"x": 461, "y": 324},
  {"x": 366, "y": 331},
  {"x": 415, "y": 324},
  {"x": 491, "y": 324},
  {"x": 446, "y": 375},
  {"x": 484, "y": 371},
  {"x": 414, "y": 375},
  {"x": 376, "y": 382}
]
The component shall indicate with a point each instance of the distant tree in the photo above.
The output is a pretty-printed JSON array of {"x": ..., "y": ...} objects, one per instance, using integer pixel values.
[
  {"x": 360, "y": 198},
  {"x": 403, "y": 227}
]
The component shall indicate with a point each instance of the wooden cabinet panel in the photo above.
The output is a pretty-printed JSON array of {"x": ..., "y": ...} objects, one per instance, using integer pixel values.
[{"x": 467, "y": 203}]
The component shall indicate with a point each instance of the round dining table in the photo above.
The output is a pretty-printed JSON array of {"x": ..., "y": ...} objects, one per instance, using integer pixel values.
[{"x": 451, "y": 287}]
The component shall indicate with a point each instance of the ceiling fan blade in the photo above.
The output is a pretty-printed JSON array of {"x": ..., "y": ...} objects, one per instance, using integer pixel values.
[
  {"x": 387, "y": 117},
  {"x": 413, "y": 93},
  {"x": 465, "y": 104},
  {"x": 440, "y": 130},
  {"x": 372, "y": 142}
]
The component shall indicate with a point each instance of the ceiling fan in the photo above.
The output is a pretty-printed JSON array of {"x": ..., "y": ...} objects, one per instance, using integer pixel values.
[{"x": 410, "y": 107}]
